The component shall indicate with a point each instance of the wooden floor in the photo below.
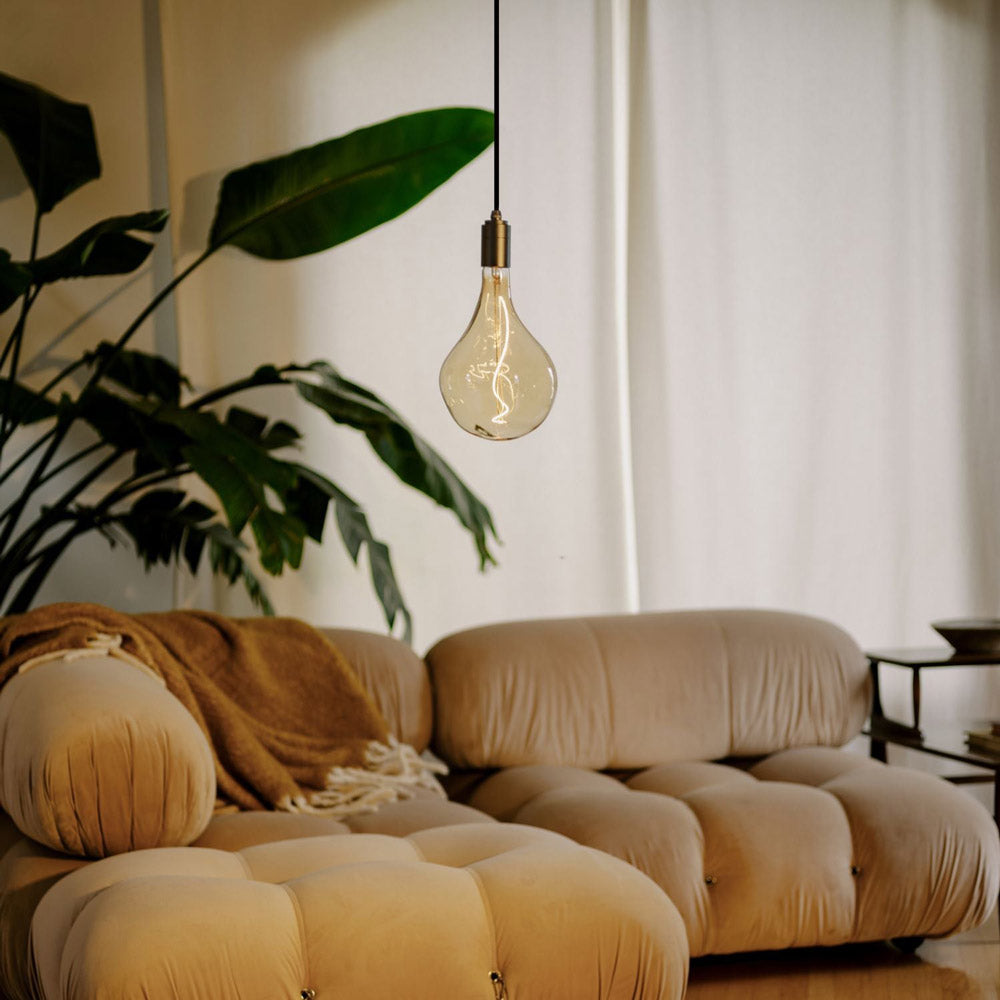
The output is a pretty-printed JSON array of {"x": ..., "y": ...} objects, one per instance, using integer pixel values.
[{"x": 965, "y": 967}]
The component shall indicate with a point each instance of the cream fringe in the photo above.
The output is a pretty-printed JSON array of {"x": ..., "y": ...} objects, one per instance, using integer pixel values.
[
  {"x": 98, "y": 644},
  {"x": 392, "y": 771}
]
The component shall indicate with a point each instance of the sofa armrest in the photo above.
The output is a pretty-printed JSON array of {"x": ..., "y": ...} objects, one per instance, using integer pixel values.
[{"x": 98, "y": 758}]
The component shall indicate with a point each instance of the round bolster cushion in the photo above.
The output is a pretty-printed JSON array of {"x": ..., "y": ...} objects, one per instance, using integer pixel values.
[{"x": 98, "y": 758}]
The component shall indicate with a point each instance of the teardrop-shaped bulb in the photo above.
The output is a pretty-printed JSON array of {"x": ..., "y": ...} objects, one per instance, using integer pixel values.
[{"x": 498, "y": 382}]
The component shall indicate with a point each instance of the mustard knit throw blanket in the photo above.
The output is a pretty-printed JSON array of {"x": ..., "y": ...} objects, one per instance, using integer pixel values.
[{"x": 289, "y": 723}]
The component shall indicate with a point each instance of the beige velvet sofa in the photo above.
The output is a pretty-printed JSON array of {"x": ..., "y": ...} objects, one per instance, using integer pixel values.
[
  {"x": 610, "y": 731},
  {"x": 118, "y": 880}
]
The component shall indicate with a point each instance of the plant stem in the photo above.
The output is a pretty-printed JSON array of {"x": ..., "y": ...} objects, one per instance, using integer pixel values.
[
  {"x": 45, "y": 559},
  {"x": 62, "y": 427},
  {"x": 17, "y": 335},
  {"x": 239, "y": 385},
  {"x": 73, "y": 459},
  {"x": 20, "y": 549},
  {"x": 42, "y": 393},
  {"x": 136, "y": 483},
  {"x": 24, "y": 456},
  {"x": 29, "y": 300}
]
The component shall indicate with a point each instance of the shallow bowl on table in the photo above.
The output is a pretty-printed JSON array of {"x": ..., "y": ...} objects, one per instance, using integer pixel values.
[{"x": 970, "y": 635}]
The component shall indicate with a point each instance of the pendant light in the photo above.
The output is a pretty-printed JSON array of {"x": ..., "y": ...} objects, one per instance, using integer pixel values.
[{"x": 498, "y": 382}]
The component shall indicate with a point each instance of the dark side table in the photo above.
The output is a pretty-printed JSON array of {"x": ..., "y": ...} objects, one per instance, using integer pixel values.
[{"x": 939, "y": 742}]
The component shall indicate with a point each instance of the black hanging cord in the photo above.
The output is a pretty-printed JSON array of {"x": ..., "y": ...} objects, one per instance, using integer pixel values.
[{"x": 496, "y": 105}]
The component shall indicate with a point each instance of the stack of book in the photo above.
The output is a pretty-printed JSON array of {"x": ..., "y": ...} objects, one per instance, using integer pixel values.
[{"x": 985, "y": 740}]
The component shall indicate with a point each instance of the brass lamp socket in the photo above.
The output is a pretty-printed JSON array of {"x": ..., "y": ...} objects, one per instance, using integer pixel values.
[{"x": 496, "y": 242}]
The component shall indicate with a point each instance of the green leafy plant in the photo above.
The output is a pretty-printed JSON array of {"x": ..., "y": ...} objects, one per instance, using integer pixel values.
[{"x": 144, "y": 428}]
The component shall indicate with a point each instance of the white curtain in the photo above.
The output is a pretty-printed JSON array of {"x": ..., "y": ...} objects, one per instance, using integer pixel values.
[
  {"x": 812, "y": 314},
  {"x": 758, "y": 239}
]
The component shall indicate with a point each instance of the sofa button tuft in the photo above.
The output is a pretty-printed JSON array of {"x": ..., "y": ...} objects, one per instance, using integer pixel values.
[
  {"x": 307, "y": 994},
  {"x": 855, "y": 870},
  {"x": 710, "y": 880}
]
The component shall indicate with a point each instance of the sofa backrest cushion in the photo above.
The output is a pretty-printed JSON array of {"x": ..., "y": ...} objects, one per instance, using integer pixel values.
[
  {"x": 633, "y": 690},
  {"x": 396, "y": 679},
  {"x": 98, "y": 758}
]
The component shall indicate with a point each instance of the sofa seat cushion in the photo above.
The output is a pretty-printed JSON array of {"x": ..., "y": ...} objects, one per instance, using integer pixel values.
[
  {"x": 28, "y": 869},
  {"x": 812, "y": 846},
  {"x": 234, "y": 831},
  {"x": 430, "y": 915}
]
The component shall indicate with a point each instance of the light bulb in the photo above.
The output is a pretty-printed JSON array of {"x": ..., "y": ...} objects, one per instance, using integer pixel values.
[{"x": 498, "y": 381}]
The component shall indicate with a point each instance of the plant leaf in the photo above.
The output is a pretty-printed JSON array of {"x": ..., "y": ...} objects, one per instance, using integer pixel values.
[
  {"x": 25, "y": 405},
  {"x": 309, "y": 502},
  {"x": 52, "y": 139},
  {"x": 162, "y": 526},
  {"x": 239, "y": 495},
  {"x": 104, "y": 248},
  {"x": 228, "y": 444},
  {"x": 279, "y": 537},
  {"x": 315, "y": 198},
  {"x": 355, "y": 532},
  {"x": 270, "y": 437},
  {"x": 15, "y": 280},
  {"x": 384, "y": 581},
  {"x": 411, "y": 458},
  {"x": 141, "y": 373},
  {"x": 225, "y": 553},
  {"x": 117, "y": 420},
  {"x": 159, "y": 525}
]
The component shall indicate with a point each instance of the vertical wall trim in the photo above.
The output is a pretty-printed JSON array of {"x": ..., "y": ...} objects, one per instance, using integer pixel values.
[
  {"x": 620, "y": 131},
  {"x": 165, "y": 318},
  {"x": 165, "y": 338}
]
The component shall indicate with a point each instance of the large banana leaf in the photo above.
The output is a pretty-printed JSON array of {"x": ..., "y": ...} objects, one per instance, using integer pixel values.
[
  {"x": 53, "y": 140},
  {"x": 104, "y": 248},
  {"x": 315, "y": 198}
]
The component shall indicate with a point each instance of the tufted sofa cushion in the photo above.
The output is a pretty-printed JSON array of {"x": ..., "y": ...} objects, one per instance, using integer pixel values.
[
  {"x": 427, "y": 916},
  {"x": 97, "y": 758},
  {"x": 28, "y": 870},
  {"x": 629, "y": 690},
  {"x": 811, "y": 846}
]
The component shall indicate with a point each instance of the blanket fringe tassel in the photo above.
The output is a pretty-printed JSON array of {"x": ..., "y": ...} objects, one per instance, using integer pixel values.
[{"x": 392, "y": 771}]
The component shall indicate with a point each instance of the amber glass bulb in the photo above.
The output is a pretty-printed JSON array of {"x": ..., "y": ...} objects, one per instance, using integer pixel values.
[{"x": 498, "y": 382}]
